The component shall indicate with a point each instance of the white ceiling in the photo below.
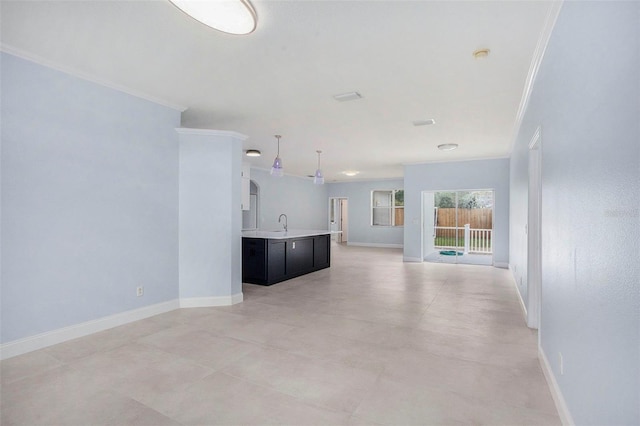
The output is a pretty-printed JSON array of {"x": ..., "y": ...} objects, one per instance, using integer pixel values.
[{"x": 410, "y": 60}]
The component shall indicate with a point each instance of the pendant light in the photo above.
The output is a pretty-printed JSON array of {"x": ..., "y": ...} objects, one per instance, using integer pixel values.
[
  {"x": 318, "y": 179},
  {"x": 276, "y": 169}
]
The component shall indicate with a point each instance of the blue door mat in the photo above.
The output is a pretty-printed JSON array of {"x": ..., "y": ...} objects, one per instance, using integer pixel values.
[{"x": 450, "y": 253}]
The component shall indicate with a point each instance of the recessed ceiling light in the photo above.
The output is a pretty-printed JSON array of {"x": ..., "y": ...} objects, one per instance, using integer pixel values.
[
  {"x": 427, "y": 122},
  {"x": 350, "y": 172},
  {"x": 344, "y": 97},
  {"x": 481, "y": 53},
  {"x": 447, "y": 146},
  {"x": 229, "y": 16},
  {"x": 253, "y": 153}
]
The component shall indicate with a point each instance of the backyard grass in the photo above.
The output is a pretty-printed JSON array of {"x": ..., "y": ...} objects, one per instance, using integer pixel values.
[{"x": 451, "y": 242}]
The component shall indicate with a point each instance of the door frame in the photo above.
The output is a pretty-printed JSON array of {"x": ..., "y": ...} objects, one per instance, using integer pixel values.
[
  {"x": 339, "y": 203},
  {"x": 423, "y": 231},
  {"x": 456, "y": 191},
  {"x": 534, "y": 235}
]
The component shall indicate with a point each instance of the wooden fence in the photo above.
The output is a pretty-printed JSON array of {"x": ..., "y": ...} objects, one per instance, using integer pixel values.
[
  {"x": 399, "y": 216},
  {"x": 477, "y": 218}
]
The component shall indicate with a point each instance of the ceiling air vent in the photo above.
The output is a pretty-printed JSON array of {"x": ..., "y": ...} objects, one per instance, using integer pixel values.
[
  {"x": 428, "y": 122},
  {"x": 344, "y": 97}
]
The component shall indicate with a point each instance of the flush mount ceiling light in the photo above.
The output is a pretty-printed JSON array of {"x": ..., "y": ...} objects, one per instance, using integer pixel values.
[
  {"x": 344, "y": 97},
  {"x": 481, "y": 53},
  {"x": 229, "y": 16},
  {"x": 276, "y": 169},
  {"x": 318, "y": 179},
  {"x": 447, "y": 146},
  {"x": 427, "y": 122},
  {"x": 253, "y": 153},
  {"x": 350, "y": 173}
]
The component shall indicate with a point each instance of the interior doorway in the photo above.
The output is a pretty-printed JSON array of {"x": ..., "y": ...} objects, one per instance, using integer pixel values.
[
  {"x": 534, "y": 269},
  {"x": 339, "y": 219},
  {"x": 457, "y": 226},
  {"x": 250, "y": 217}
]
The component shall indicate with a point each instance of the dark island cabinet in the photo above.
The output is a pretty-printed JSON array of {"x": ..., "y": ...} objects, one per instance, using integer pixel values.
[
  {"x": 268, "y": 261},
  {"x": 322, "y": 250},
  {"x": 276, "y": 252}
]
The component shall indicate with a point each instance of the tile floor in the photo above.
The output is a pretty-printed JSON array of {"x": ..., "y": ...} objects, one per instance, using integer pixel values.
[
  {"x": 469, "y": 258},
  {"x": 372, "y": 340}
]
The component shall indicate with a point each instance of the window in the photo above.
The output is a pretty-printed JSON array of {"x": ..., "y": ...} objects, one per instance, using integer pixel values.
[{"x": 387, "y": 208}]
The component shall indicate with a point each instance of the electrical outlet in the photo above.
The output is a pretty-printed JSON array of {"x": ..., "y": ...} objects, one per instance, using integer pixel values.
[
  {"x": 139, "y": 291},
  {"x": 561, "y": 364}
]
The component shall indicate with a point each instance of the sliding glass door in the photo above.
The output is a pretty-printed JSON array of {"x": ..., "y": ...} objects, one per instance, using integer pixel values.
[{"x": 458, "y": 226}]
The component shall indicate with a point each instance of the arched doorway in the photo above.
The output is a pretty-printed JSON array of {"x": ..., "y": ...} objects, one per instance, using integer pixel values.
[{"x": 250, "y": 217}]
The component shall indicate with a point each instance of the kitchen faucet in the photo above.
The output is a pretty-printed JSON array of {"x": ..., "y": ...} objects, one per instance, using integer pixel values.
[{"x": 286, "y": 220}]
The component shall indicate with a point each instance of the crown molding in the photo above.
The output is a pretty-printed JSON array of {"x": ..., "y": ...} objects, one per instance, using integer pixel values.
[
  {"x": 461, "y": 160},
  {"x": 536, "y": 61},
  {"x": 87, "y": 77},
  {"x": 211, "y": 132}
]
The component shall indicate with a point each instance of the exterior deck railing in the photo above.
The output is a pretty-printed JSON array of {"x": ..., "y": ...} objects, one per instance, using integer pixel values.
[{"x": 465, "y": 238}]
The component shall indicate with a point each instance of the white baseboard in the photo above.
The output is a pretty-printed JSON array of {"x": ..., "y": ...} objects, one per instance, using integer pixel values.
[
  {"x": 237, "y": 298},
  {"x": 205, "y": 302},
  {"x": 503, "y": 265},
  {"x": 53, "y": 337},
  {"x": 561, "y": 404},
  {"x": 378, "y": 245},
  {"x": 515, "y": 284},
  {"x": 411, "y": 259},
  {"x": 49, "y": 338}
]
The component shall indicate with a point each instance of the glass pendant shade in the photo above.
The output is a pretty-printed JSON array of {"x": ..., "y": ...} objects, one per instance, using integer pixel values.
[
  {"x": 276, "y": 169},
  {"x": 318, "y": 179}
]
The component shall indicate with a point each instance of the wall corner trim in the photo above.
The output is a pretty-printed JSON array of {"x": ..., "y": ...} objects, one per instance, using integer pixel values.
[
  {"x": 515, "y": 284},
  {"x": 204, "y": 302},
  {"x": 50, "y": 338},
  {"x": 502, "y": 265},
  {"x": 558, "y": 399},
  {"x": 411, "y": 259}
]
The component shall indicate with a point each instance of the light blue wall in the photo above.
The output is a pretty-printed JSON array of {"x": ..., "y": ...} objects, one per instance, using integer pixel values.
[
  {"x": 587, "y": 101},
  {"x": 89, "y": 200},
  {"x": 210, "y": 214},
  {"x": 304, "y": 203},
  {"x": 359, "y": 212},
  {"x": 480, "y": 174}
]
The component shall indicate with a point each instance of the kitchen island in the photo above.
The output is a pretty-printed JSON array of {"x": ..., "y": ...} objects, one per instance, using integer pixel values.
[{"x": 269, "y": 257}]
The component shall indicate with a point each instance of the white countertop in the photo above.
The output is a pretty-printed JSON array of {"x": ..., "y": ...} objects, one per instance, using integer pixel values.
[{"x": 282, "y": 234}]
